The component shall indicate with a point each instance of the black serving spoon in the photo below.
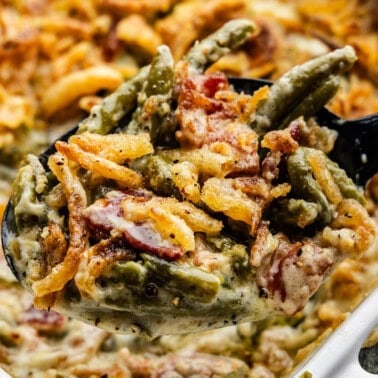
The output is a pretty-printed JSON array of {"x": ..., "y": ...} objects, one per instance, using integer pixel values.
[{"x": 355, "y": 151}]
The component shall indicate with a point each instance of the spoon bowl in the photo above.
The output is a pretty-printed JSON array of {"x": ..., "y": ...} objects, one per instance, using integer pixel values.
[
  {"x": 355, "y": 151},
  {"x": 209, "y": 302}
]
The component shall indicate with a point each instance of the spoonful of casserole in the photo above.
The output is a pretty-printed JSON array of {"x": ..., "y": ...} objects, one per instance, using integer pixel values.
[{"x": 183, "y": 203}]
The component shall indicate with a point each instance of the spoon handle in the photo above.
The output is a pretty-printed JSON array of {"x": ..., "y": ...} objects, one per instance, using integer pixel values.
[
  {"x": 356, "y": 148},
  {"x": 337, "y": 358}
]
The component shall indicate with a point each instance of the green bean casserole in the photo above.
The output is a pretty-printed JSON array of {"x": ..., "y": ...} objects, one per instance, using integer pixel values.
[{"x": 180, "y": 205}]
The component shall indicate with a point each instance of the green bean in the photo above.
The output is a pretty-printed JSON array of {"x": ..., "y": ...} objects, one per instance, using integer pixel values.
[
  {"x": 184, "y": 309},
  {"x": 295, "y": 212},
  {"x": 160, "y": 122},
  {"x": 346, "y": 185},
  {"x": 105, "y": 117},
  {"x": 233, "y": 34},
  {"x": 26, "y": 205},
  {"x": 296, "y": 85},
  {"x": 311, "y": 104},
  {"x": 304, "y": 184},
  {"x": 190, "y": 282},
  {"x": 236, "y": 253},
  {"x": 160, "y": 78},
  {"x": 157, "y": 172},
  {"x": 130, "y": 272},
  {"x": 154, "y": 100}
]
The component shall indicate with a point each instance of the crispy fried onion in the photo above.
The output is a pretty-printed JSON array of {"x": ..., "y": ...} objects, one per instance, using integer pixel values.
[
  {"x": 185, "y": 177},
  {"x": 134, "y": 30},
  {"x": 76, "y": 84},
  {"x": 104, "y": 154},
  {"x": 352, "y": 231},
  {"x": 324, "y": 177},
  {"x": 161, "y": 226},
  {"x": 115, "y": 147},
  {"x": 176, "y": 221},
  {"x": 53, "y": 246},
  {"x": 76, "y": 202},
  {"x": 208, "y": 162},
  {"x": 280, "y": 140},
  {"x": 260, "y": 189},
  {"x": 190, "y": 20},
  {"x": 95, "y": 260},
  {"x": 222, "y": 195},
  {"x": 141, "y": 6}
]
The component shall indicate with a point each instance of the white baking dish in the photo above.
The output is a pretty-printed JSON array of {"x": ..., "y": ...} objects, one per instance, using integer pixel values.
[{"x": 337, "y": 357}]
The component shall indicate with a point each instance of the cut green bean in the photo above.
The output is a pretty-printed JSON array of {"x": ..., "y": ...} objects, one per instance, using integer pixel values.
[
  {"x": 295, "y": 212},
  {"x": 157, "y": 172},
  {"x": 304, "y": 184},
  {"x": 314, "y": 101},
  {"x": 190, "y": 282},
  {"x": 27, "y": 208},
  {"x": 233, "y": 34},
  {"x": 130, "y": 272},
  {"x": 346, "y": 185},
  {"x": 104, "y": 118},
  {"x": 160, "y": 78},
  {"x": 154, "y": 100},
  {"x": 296, "y": 85}
]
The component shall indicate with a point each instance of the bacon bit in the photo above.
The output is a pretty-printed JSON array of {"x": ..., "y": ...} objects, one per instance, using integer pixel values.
[
  {"x": 280, "y": 140},
  {"x": 43, "y": 320},
  {"x": 106, "y": 215},
  {"x": 213, "y": 83},
  {"x": 264, "y": 244},
  {"x": 206, "y": 118},
  {"x": 145, "y": 238},
  {"x": 293, "y": 272},
  {"x": 270, "y": 165},
  {"x": 295, "y": 130},
  {"x": 285, "y": 254}
]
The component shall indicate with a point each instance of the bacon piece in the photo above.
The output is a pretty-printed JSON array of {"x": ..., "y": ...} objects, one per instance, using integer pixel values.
[
  {"x": 105, "y": 216},
  {"x": 206, "y": 119},
  {"x": 293, "y": 272},
  {"x": 270, "y": 165},
  {"x": 144, "y": 237},
  {"x": 295, "y": 129},
  {"x": 43, "y": 320},
  {"x": 280, "y": 141}
]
